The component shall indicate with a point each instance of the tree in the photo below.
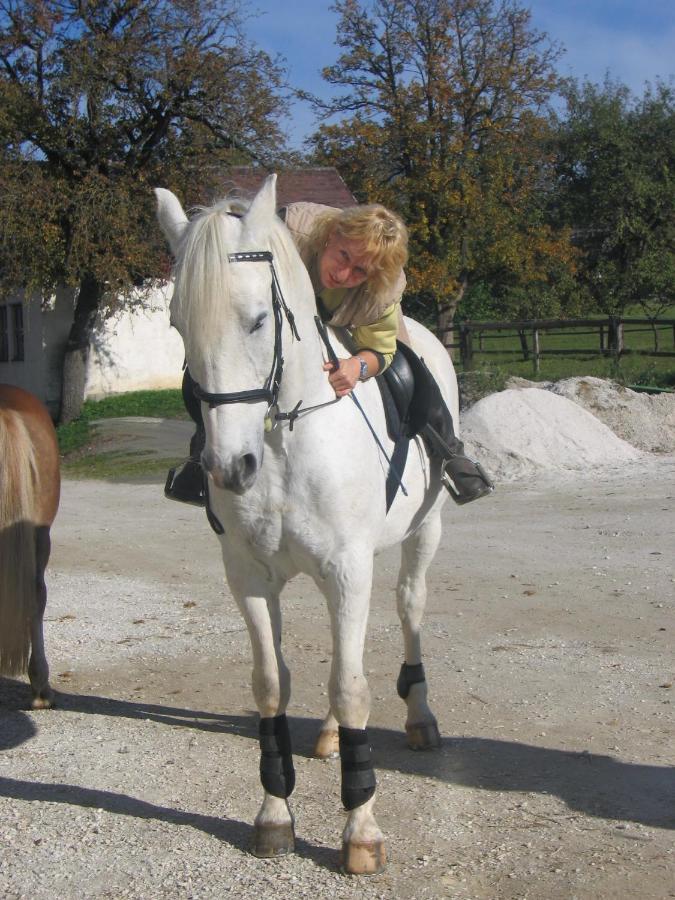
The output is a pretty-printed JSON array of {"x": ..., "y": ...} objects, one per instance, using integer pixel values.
[
  {"x": 443, "y": 120},
  {"x": 100, "y": 99},
  {"x": 616, "y": 187}
]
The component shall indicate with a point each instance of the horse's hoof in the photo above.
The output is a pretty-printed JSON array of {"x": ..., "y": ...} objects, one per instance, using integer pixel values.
[
  {"x": 327, "y": 745},
  {"x": 423, "y": 737},
  {"x": 43, "y": 700},
  {"x": 273, "y": 840},
  {"x": 363, "y": 857}
]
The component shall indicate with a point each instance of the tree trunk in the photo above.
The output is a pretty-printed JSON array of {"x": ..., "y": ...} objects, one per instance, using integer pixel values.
[
  {"x": 77, "y": 349},
  {"x": 656, "y": 335}
]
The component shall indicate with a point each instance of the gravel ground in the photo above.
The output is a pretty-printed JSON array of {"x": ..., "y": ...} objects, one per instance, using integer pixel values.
[{"x": 549, "y": 654}]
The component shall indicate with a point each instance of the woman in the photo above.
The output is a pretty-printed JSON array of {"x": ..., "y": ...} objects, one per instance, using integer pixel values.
[{"x": 355, "y": 260}]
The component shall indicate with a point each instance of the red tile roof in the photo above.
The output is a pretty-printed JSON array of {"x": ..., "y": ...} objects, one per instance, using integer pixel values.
[{"x": 318, "y": 185}]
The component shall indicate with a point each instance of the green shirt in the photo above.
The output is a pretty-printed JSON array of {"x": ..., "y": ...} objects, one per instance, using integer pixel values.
[{"x": 380, "y": 337}]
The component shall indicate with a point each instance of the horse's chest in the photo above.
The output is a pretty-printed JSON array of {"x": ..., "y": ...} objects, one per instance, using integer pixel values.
[{"x": 260, "y": 521}]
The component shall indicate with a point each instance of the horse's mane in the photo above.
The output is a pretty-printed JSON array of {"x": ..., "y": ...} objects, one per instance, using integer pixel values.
[{"x": 201, "y": 297}]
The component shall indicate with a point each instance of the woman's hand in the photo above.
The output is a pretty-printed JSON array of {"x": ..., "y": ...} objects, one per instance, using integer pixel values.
[{"x": 343, "y": 377}]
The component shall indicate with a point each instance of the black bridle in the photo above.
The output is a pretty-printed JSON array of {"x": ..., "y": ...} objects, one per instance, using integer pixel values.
[{"x": 270, "y": 390}]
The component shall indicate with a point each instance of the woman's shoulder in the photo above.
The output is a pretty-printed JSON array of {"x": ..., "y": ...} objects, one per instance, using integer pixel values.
[{"x": 301, "y": 216}]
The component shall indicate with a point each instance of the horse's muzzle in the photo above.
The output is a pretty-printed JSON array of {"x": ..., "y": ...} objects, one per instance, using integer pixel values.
[{"x": 238, "y": 476}]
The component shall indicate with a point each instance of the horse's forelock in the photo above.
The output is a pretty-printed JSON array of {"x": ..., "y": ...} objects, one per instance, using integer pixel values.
[{"x": 202, "y": 286}]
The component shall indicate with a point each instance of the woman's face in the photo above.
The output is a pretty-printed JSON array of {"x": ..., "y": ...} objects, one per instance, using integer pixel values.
[{"x": 343, "y": 263}]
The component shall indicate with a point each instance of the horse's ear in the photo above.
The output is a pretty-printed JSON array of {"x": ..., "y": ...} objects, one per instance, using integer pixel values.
[
  {"x": 172, "y": 219},
  {"x": 263, "y": 207}
]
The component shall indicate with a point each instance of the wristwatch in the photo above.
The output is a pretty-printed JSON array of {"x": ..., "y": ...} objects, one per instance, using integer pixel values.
[{"x": 363, "y": 374}]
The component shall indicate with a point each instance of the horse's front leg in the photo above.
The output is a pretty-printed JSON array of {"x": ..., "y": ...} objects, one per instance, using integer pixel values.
[
  {"x": 417, "y": 553},
  {"x": 363, "y": 851},
  {"x": 274, "y": 827}
]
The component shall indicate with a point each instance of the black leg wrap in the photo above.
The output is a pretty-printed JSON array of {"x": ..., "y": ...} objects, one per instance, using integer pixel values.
[
  {"x": 358, "y": 776},
  {"x": 408, "y": 676},
  {"x": 276, "y": 761}
]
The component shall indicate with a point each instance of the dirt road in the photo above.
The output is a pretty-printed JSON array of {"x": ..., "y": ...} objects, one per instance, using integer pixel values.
[{"x": 549, "y": 654}]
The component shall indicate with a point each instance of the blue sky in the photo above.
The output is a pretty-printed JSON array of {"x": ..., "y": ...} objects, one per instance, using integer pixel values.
[{"x": 633, "y": 40}]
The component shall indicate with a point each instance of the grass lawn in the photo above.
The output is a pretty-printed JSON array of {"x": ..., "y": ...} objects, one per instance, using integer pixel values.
[{"x": 77, "y": 439}]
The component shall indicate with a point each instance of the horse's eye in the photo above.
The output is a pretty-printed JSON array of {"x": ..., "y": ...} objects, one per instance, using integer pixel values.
[{"x": 258, "y": 322}]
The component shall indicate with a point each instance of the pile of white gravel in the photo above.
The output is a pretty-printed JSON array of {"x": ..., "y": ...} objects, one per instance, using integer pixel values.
[{"x": 576, "y": 425}]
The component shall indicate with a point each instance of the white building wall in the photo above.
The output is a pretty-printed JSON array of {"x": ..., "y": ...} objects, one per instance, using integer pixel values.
[
  {"x": 132, "y": 349},
  {"x": 135, "y": 348}
]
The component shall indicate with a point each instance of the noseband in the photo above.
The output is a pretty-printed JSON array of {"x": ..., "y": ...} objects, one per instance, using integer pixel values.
[{"x": 270, "y": 390}]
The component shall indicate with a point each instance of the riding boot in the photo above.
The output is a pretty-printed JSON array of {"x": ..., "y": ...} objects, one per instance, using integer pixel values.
[
  {"x": 185, "y": 483},
  {"x": 464, "y": 478}
]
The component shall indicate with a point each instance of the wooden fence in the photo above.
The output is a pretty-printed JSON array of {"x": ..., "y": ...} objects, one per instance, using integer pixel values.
[{"x": 612, "y": 333}]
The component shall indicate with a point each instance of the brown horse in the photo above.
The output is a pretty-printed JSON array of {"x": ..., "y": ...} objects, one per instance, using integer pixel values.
[{"x": 29, "y": 498}]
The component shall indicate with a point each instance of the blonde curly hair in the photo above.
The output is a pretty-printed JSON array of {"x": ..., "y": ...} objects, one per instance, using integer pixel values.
[{"x": 382, "y": 233}]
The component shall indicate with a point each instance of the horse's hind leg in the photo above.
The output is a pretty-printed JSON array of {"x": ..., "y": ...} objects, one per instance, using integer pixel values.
[
  {"x": 274, "y": 828},
  {"x": 417, "y": 552},
  {"x": 38, "y": 669},
  {"x": 327, "y": 744}
]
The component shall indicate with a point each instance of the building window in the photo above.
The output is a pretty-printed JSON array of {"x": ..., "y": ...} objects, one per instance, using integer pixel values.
[
  {"x": 4, "y": 335},
  {"x": 17, "y": 332}
]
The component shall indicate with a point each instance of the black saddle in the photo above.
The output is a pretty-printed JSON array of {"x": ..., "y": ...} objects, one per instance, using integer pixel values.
[
  {"x": 406, "y": 393},
  {"x": 404, "y": 389}
]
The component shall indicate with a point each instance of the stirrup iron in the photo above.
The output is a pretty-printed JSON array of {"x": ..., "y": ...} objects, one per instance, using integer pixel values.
[{"x": 475, "y": 484}]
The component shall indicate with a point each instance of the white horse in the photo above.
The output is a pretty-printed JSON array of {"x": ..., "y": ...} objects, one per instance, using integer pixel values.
[{"x": 303, "y": 494}]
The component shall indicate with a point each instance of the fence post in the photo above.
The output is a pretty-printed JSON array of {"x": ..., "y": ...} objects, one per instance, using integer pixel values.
[
  {"x": 615, "y": 335},
  {"x": 465, "y": 345},
  {"x": 523, "y": 344},
  {"x": 535, "y": 348}
]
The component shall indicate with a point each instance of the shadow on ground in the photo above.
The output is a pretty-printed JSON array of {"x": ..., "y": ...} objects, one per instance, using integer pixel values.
[{"x": 591, "y": 784}]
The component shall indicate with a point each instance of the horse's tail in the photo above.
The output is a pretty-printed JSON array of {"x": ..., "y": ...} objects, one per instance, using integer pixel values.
[{"x": 18, "y": 583}]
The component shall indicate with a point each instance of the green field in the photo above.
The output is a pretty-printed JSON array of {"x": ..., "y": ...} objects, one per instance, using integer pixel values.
[
  {"x": 76, "y": 437},
  {"x": 497, "y": 355}
]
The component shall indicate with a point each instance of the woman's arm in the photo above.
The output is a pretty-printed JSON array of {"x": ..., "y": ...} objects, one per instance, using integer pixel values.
[{"x": 376, "y": 345}]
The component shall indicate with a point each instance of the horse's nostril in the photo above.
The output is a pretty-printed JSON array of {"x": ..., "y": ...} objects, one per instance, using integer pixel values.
[{"x": 248, "y": 467}]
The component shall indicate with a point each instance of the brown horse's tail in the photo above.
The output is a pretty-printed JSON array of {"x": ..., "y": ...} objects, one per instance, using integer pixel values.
[{"x": 18, "y": 585}]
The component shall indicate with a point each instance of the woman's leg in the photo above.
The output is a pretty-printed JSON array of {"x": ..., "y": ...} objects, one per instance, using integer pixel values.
[
  {"x": 464, "y": 478},
  {"x": 186, "y": 482}
]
